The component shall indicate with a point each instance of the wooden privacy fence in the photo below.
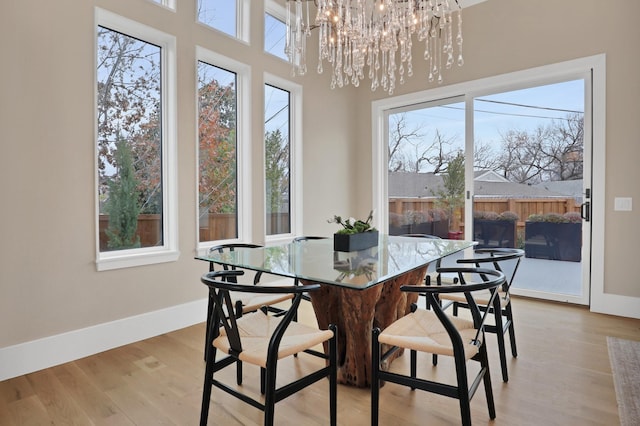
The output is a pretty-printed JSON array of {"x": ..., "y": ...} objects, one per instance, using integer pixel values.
[
  {"x": 223, "y": 226},
  {"x": 523, "y": 207},
  {"x": 149, "y": 230}
]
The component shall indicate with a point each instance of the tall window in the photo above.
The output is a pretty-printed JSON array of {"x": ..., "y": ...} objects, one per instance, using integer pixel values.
[
  {"x": 274, "y": 36},
  {"x": 277, "y": 160},
  {"x": 217, "y": 132},
  {"x": 228, "y": 16},
  {"x": 133, "y": 152}
]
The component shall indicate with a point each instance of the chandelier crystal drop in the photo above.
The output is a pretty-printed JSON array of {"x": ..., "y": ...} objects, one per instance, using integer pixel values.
[{"x": 376, "y": 36}]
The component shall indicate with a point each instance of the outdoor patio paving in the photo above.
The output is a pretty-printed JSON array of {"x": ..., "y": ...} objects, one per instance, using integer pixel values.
[
  {"x": 543, "y": 275},
  {"x": 553, "y": 276}
]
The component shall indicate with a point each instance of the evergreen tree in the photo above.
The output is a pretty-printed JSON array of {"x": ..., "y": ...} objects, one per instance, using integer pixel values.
[
  {"x": 122, "y": 204},
  {"x": 451, "y": 197}
]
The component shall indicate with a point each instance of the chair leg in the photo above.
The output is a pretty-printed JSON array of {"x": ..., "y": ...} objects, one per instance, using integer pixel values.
[
  {"x": 488, "y": 389},
  {"x": 463, "y": 391},
  {"x": 375, "y": 383},
  {"x": 270, "y": 394},
  {"x": 497, "y": 310},
  {"x": 414, "y": 365},
  {"x": 207, "y": 341},
  {"x": 512, "y": 330},
  {"x": 238, "y": 309},
  {"x": 333, "y": 377},
  {"x": 206, "y": 387}
]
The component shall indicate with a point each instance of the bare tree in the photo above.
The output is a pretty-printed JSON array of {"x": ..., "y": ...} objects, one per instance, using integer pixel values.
[
  {"x": 548, "y": 153},
  {"x": 409, "y": 150},
  {"x": 399, "y": 137}
]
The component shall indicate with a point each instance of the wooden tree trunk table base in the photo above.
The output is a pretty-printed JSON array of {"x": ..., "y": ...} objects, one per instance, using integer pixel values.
[{"x": 355, "y": 313}]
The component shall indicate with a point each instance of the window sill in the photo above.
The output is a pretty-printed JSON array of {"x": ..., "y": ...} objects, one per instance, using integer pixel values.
[{"x": 129, "y": 259}]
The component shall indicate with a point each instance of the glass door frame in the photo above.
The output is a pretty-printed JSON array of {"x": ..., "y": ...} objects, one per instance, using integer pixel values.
[{"x": 593, "y": 232}]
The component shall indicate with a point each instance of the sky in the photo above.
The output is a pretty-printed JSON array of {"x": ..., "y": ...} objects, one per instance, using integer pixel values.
[{"x": 523, "y": 110}]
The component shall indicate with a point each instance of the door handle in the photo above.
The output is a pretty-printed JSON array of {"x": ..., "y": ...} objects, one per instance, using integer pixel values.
[{"x": 585, "y": 211}]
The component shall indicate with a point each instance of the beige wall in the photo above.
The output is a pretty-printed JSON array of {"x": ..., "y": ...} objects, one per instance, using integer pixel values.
[{"x": 48, "y": 281}]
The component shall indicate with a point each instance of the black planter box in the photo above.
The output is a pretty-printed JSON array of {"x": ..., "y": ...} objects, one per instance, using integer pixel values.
[
  {"x": 355, "y": 242},
  {"x": 494, "y": 233},
  {"x": 554, "y": 241},
  {"x": 438, "y": 228}
]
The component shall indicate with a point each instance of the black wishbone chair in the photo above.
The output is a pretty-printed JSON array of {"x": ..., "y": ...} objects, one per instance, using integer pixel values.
[
  {"x": 243, "y": 302},
  {"x": 262, "y": 339},
  {"x": 434, "y": 331},
  {"x": 498, "y": 258}
]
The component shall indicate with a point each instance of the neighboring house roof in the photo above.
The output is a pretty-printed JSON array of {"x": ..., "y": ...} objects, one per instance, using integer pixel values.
[
  {"x": 571, "y": 188},
  {"x": 488, "y": 176},
  {"x": 421, "y": 185}
]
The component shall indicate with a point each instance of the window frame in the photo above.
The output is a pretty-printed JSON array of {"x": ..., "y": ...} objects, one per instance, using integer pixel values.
[
  {"x": 167, "y": 4},
  {"x": 169, "y": 251},
  {"x": 295, "y": 159},
  {"x": 243, "y": 22},
  {"x": 243, "y": 144},
  {"x": 276, "y": 11},
  {"x": 593, "y": 70}
]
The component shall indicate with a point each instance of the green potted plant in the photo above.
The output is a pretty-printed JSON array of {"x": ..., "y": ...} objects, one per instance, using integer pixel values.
[
  {"x": 355, "y": 234},
  {"x": 554, "y": 236}
]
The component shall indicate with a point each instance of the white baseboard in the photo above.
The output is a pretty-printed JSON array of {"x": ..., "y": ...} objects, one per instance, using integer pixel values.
[
  {"x": 43, "y": 353},
  {"x": 612, "y": 304}
]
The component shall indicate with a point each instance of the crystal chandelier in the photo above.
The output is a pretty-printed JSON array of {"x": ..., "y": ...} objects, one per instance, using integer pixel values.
[{"x": 374, "y": 36}]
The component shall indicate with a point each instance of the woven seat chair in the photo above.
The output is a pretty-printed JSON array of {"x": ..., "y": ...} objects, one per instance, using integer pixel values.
[
  {"x": 243, "y": 302},
  {"x": 263, "y": 339},
  {"x": 434, "y": 331},
  {"x": 499, "y": 259}
]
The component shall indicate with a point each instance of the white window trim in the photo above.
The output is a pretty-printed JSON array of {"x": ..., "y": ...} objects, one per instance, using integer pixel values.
[
  {"x": 276, "y": 10},
  {"x": 243, "y": 22},
  {"x": 168, "y": 252},
  {"x": 243, "y": 141},
  {"x": 167, "y": 4},
  {"x": 295, "y": 172},
  {"x": 279, "y": 12}
]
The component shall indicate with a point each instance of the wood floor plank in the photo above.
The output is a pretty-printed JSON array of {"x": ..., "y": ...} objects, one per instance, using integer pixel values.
[
  {"x": 562, "y": 376},
  {"x": 60, "y": 407},
  {"x": 99, "y": 408}
]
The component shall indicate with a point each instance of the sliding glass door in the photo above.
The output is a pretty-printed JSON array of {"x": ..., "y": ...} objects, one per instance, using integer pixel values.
[{"x": 528, "y": 187}]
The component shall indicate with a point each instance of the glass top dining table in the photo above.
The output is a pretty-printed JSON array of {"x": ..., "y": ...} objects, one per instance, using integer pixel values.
[
  {"x": 316, "y": 260},
  {"x": 359, "y": 290}
]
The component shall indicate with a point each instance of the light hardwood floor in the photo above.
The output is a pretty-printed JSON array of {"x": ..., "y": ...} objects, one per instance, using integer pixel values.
[{"x": 562, "y": 376}]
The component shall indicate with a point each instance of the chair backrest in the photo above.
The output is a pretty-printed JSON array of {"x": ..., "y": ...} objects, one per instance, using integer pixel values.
[
  {"x": 219, "y": 283},
  {"x": 433, "y": 237},
  {"x": 307, "y": 238},
  {"x": 430, "y": 237},
  {"x": 470, "y": 280},
  {"x": 498, "y": 257},
  {"x": 229, "y": 247}
]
